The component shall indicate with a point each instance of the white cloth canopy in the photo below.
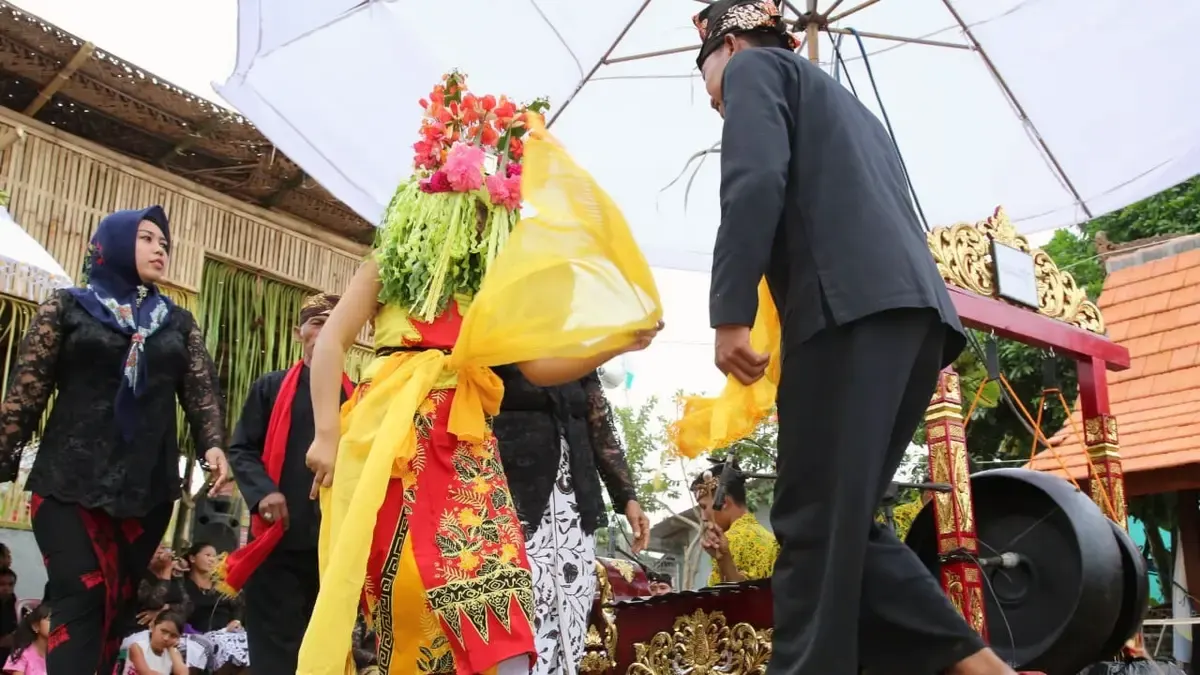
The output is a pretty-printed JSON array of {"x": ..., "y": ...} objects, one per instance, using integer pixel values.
[
  {"x": 335, "y": 83},
  {"x": 27, "y": 270}
]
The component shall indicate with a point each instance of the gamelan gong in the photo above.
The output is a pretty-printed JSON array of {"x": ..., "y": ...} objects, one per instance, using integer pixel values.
[{"x": 1062, "y": 583}]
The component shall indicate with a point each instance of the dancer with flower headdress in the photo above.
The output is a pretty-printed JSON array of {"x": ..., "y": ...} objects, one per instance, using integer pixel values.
[{"x": 418, "y": 525}]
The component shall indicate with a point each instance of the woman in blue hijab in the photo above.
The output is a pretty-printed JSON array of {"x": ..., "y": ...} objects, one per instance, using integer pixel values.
[{"x": 117, "y": 355}]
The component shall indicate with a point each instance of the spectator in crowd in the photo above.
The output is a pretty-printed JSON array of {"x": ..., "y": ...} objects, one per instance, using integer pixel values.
[
  {"x": 156, "y": 651},
  {"x": 214, "y": 615},
  {"x": 30, "y": 643},
  {"x": 162, "y": 591},
  {"x": 8, "y": 611},
  {"x": 660, "y": 584},
  {"x": 5, "y": 557}
]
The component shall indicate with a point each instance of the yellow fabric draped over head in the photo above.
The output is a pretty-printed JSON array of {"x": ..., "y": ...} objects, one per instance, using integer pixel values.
[
  {"x": 709, "y": 423},
  {"x": 571, "y": 282}
]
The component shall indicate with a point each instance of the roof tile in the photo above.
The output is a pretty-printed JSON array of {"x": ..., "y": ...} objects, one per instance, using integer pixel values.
[{"x": 1154, "y": 310}]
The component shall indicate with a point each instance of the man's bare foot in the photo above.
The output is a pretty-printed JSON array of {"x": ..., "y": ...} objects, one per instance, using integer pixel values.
[{"x": 983, "y": 662}]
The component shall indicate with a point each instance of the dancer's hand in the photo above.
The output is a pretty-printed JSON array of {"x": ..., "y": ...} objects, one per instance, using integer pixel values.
[
  {"x": 273, "y": 509},
  {"x": 320, "y": 459},
  {"x": 735, "y": 357},
  {"x": 643, "y": 338},
  {"x": 218, "y": 470},
  {"x": 640, "y": 525}
]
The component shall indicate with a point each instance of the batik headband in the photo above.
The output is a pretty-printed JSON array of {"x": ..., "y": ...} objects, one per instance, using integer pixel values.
[
  {"x": 320, "y": 304},
  {"x": 732, "y": 17}
]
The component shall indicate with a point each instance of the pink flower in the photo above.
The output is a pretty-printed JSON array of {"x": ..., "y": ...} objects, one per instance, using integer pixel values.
[
  {"x": 513, "y": 169},
  {"x": 464, "y": 167},
  {"x": 436, "y": 183},
  {"x": 505, "y": 192}
]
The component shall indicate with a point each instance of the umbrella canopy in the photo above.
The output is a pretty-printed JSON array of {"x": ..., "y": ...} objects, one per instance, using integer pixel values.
[
  {"x": 1058, "y": 110},
  {"x": 27, "y": 270}
]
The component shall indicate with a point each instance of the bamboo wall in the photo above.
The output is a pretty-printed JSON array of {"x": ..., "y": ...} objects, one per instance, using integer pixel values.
[{"x": 61, "y": 186}]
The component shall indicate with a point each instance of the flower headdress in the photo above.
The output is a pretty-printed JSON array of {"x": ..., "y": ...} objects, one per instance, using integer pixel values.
[{"x": 446, "y": 224}]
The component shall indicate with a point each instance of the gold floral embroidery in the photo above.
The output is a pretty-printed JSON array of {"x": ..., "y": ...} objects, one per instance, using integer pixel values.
[{"x": 479, "y": 541}]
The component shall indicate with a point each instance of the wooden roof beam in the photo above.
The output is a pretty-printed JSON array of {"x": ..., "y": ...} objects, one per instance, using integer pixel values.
[
  {"x": 199, "y": 132},
  {"x": 272, "y": 200},
  {"x": 85, "y": 52}
]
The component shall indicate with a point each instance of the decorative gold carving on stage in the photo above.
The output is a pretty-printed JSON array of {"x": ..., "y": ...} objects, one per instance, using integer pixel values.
[
  {"x": 964, "y": 257},
  {"x": 600, "y": 651},
  {"x": 954, "y": 511},
  {"x": 624, "y": 568},
  {"x": 1106, "y": 477},
  {"x": 702, "y": 643}
]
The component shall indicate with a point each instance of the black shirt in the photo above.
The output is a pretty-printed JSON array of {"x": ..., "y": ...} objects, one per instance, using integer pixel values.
[
  {"x": 528, "y": 430},
  {"x": 210, "y": 610},
  {"x": 813, "y": 196},
  {"x": 246, "y": 457},
  {"x": 82, "y": 457}
]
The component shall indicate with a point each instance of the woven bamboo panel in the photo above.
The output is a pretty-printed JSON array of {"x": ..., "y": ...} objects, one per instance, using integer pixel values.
[{"x": 61, "y": 191}]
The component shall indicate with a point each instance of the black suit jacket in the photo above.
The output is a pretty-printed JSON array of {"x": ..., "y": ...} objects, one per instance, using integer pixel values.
[{"x": 813, "y": 196}]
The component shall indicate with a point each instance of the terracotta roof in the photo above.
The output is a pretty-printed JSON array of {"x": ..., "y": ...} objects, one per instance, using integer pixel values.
[
  {"x": 1153, "y": 309},
  {"x": 117, "y": 104}
]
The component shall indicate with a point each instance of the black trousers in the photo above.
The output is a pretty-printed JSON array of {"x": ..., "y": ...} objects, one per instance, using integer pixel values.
[
  {"x": 93, "y": 564},
  {"x": 847, "y": 592},
  {"x": 280, "y": 596}
]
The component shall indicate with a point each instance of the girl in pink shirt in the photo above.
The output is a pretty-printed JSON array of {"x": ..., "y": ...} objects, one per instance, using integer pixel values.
[{"x": 29, "y": 645}]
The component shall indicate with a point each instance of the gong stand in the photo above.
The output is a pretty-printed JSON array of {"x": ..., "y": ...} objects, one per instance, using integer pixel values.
[{"x": 1065, "y": 322}]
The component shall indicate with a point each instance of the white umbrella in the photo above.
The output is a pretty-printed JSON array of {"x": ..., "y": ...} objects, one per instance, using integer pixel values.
[
  {"x": 1059, "y": 110},
  {"x": 27, "y": 270}
]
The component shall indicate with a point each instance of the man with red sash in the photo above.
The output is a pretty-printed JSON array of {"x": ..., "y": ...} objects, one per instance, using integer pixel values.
[{"x": 278, "y": 568}]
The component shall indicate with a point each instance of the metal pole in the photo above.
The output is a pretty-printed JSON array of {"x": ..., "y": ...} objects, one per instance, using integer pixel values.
[
  {"x": 1020, "y": 109},
  {"x": 600, "y": 62}
]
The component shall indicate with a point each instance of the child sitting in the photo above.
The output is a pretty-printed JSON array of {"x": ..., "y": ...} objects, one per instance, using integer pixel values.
[
  {"x": 29, "y": 644},
  {"x": 155, "y": 652}
]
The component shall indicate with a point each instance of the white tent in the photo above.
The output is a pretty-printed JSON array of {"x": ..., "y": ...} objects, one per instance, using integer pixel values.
[
  {"x": 1057, "y": 109},
  {"x": 27, "y": 270}
]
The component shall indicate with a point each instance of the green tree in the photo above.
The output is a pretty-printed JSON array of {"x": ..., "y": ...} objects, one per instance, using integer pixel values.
[{"x": 643, "y": 432}]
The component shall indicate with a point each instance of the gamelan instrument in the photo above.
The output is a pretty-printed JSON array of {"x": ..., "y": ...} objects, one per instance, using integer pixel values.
[{"x": 1063, "y": 587}]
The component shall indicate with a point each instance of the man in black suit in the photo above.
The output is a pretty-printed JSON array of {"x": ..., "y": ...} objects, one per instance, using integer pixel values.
[{"x": 814, "y": 198}]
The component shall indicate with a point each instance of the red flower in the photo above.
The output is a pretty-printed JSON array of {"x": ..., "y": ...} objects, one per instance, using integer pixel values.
[
  {"x": 489, "y": 136},
  {"x": 505, "y": 112},
  {"x": 438, "y": 182},
  {"x": 488, "y": 102},
  {"x": 516, "y": 149}
]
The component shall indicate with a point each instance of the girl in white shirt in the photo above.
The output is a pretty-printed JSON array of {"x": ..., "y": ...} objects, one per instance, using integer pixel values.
[{"x": 156, "y": 652}]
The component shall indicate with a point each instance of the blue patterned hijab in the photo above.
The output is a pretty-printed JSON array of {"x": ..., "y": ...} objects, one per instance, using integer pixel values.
[{"x": 114, "y": 294}]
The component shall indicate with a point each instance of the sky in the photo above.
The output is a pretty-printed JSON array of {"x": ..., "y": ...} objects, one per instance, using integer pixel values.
[{"x": 193, "y": 43}]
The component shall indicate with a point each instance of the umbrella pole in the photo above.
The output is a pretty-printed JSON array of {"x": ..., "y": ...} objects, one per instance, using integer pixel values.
[{"x": 811, "y": 32}]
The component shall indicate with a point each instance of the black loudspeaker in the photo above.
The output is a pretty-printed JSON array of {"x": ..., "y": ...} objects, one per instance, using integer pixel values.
[{"x": 217, "y": 521}]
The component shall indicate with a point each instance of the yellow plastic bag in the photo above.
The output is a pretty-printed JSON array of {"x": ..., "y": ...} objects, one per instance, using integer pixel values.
[
  {"x": 713, "y": 423},
  {"x": 570, "y": 282}
]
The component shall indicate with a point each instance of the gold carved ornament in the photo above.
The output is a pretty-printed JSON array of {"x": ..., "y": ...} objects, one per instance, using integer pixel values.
[
  {"x": 702, "y": 643},
  {"x": 600, "y": 653},
  {"x": 963, "y": 253}
]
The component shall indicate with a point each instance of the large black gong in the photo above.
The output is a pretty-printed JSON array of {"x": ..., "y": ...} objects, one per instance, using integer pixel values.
[
  {"x": 1135, "y": 598},
  {"x": 1056, "y": 609}
]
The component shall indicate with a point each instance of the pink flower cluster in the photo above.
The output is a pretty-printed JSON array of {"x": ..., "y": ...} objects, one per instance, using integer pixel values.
[{"x": 463, "y": 172}]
